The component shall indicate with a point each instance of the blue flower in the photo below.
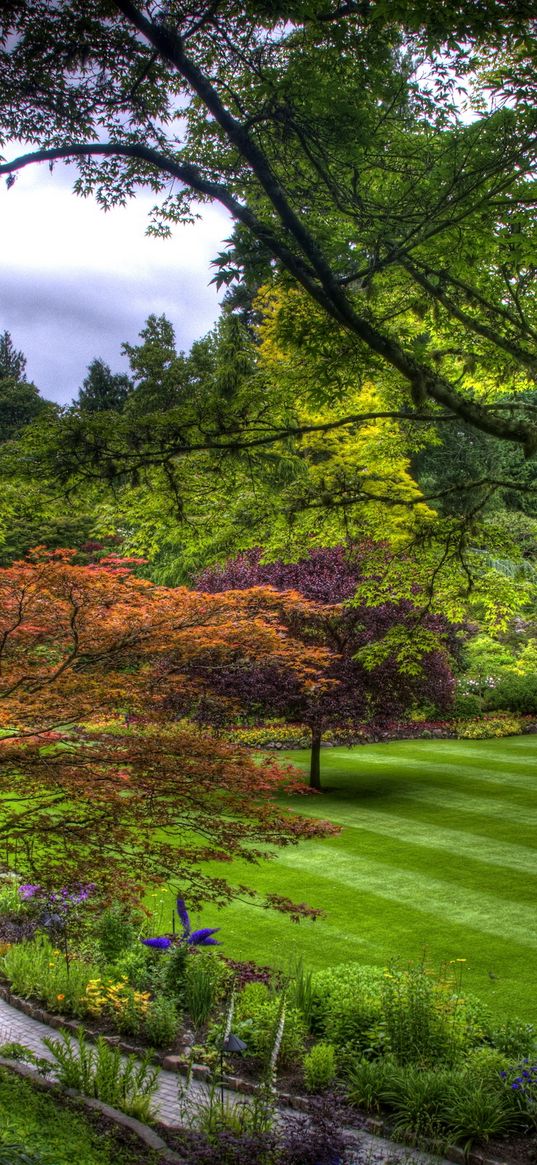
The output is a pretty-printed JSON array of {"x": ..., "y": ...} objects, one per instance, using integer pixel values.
[
  {"x": 160, "y": 944},
  {"x": 202, "y": 938},
  {"x": 28, "y": 890},
  {"x": 183, "y": 915}
]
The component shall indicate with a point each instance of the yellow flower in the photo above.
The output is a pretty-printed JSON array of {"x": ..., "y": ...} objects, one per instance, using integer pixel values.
[{"x": 60, "y": 997}]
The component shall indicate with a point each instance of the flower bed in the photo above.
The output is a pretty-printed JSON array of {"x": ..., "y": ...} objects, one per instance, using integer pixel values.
[{"x": 402, "y": 1042}]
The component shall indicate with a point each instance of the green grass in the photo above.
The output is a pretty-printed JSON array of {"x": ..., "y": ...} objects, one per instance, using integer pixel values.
[
  {"x": 61, "y": 1134},
  {"x": 438, "y": 853}
]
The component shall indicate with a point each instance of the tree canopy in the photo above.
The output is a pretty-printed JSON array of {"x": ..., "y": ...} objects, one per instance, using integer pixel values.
[{"x": 400, "y": 200}]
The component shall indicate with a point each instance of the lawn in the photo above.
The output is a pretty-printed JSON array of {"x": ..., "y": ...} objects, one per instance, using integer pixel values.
[{"x": 438, "y": 853}]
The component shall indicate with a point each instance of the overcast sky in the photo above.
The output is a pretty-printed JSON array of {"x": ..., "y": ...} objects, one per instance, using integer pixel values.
[{"x": 75, "y": 282}]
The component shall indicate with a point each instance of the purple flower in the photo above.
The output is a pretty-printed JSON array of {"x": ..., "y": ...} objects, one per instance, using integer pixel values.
[
  {"x": 201, "y": 938},
  {"x": 160, "y": 944},
  {"x": 28, "y": 890},
  {"x": 183, "y": 915}
]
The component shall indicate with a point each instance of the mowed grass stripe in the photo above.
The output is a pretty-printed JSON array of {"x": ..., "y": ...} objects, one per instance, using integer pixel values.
[
  {"x": 457, "y": 842},
  {"x": 437, "y": 850},
  {"x": 426, "y": 894}
]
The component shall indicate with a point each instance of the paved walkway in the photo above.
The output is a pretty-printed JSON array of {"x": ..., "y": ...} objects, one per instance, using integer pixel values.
[{"x": 17, "y": 1027}]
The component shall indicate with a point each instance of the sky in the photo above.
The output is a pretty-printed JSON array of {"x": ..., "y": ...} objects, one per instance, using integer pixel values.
[{"x": 75, "y": 283}]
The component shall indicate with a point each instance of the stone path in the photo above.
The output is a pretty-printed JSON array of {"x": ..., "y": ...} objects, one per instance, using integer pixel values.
[{"x": 17, "y": 1027}]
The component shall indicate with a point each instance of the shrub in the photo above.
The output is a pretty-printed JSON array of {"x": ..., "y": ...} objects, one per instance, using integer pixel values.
[
  {"x": 320, "y": 1067},
  {"x": 277, "y": 736},
  {"x": 118, "y": 1001},
  {"x": 102, "y": 1072},
  {"x": 424, "y": 1018},
  {"x": 515, "y": 693},
  {"x": 514, "y": 1038},
  {"x": 346, "y": 1004},
  {"x": 136, "y": 964},
  {"x": 256, "y": 1020},
  {"x": 488, "y": 728},
  {"x": 115, "y": 932},
  {"x": 161, "y": 1022},
  {"x": 204, "y": 984}
]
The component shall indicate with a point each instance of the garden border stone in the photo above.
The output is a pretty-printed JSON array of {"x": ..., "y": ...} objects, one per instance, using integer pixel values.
[{"x": 374, "y": 1126}]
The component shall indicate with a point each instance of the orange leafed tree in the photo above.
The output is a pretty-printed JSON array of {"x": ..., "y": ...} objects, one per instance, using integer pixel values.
[{"x": 96, "y": 782}]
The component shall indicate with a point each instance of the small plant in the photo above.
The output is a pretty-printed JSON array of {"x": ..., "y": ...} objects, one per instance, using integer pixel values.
[
  {"x": 37, "y": 969},
  {"x": 367, "y": 1081},
  {"x": 257, "y": 1017},
  {"x": 521, "y": 1085},
  {"x": 16, "y": 1051},
  {"x": 419, "y": 1101},
  {"x": 200, "y": 984},
  {"x": 300, "y": 992},
  {"x": 320, "y": 1067},
  {"x": 101, "y": 1071},
  {"x": 477, "y": 1112},
  {"x": 118, "y": 1001}
]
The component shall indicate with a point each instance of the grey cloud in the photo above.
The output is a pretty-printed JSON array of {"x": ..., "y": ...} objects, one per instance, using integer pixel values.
[{"x": 62, "y": 321}]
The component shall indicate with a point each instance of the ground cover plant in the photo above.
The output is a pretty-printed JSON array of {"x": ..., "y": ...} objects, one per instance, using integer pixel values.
[
  {"x": 55, "y": 1132},
  {"x": 437, "y": 851}
]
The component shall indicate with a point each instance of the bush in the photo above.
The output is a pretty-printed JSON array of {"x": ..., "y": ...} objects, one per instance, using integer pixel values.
[
  {"x": 514, "y": 1038},
  {"x": 424, "y": 1017},
  {"x": 205, "y": 981},
  {"x": 346, "y": 1004},
  {"x": 161, "y": 1022},
  {"x": 488, "y": 728},
  {"x": 477, "y": 1112},
  {"x": 101, "y": 1071},
  {"x": 115, "y": 932},
  {"x": 256, "y": 1020},
  {"x": 515, "y": 693},
  {"x": 320, "y": 1067},
  {"x": 278, "y": 736},
  {"x": 419, "y": 1101}
]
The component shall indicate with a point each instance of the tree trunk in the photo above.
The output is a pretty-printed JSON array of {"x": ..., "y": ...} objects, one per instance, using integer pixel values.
[{"x": 315, "y": 765}]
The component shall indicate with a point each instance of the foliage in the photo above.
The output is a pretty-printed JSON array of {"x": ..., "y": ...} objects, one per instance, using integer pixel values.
[
  {"x": 161, "y": 1022},
  {"x": 118, "y": 1001},
  {"x": 514, "y": 1038},
  {"x": 514, "y": 693},
  {"x": 257, "y": 1015},
  {"x": 203, "y": 980},
  {"x": 346, "y": 1004},
  {"x": 37, "y": 970},
  {"x": 12, "y": 1154},
  {"x": 488, "y": 728},
  {"x": 79, "y": 642},
  {"x": 320, "y": 1067},
  {"x": 367, "y": 1081},
  {"x": 424, "y": 1018},
  {"x": 410, "y": 663},
  {"x": 101, "y": 1071},
  {"x": 115, "y": 931}
]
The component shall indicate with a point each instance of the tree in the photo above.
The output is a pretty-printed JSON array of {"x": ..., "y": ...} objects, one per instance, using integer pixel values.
[
  {"x": 402, "y": 674},
  {"x": 95, "y": 783},
  {"x": 376, "y": 196},
  {"x": 103, "y": 390},
  {"x": 12, "y": 363}
]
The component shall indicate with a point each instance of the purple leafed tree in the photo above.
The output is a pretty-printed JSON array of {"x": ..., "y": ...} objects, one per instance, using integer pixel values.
[{"x": 329, "y": 578}]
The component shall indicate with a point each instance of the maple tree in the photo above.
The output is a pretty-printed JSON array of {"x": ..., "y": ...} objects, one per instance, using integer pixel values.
[
  {"x": 384, "y": 659},
  {"x": 96, "y": 784}
]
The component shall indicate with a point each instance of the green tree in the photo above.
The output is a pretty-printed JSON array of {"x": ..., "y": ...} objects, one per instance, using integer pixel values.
[
  {"x": 376, "y": 194},
  {"x": 103, "y": 390},
  {"x": 12, "y": 363}
]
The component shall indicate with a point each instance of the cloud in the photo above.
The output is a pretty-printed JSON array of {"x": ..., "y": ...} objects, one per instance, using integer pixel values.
[{"x": 76, "y": 283}]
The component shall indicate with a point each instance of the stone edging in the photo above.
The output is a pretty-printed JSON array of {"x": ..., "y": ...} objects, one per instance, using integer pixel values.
[{"x": 373, "y": 1126}]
